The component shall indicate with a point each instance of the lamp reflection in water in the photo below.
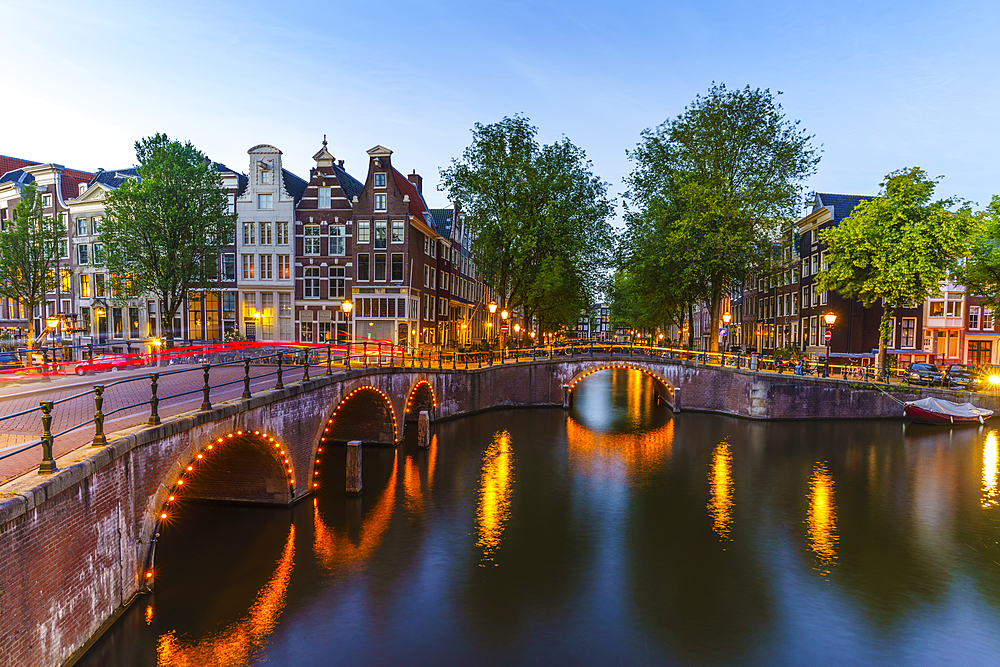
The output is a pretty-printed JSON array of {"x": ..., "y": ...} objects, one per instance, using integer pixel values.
[
  {"x": 821, "y": 519},
  {"x": 991, "y": 495},
  {"x": 335, "y": 549},
  {"x": 495, "y": 484},
  {"x": 237, "y": 643},
  {"x": 720, "y": 481},
  {"x": 636, "y": 455},
  {"x": 412, "y": 486}
]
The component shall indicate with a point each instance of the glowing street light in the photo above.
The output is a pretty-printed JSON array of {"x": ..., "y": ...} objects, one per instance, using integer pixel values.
[
  {"x": 830, "y": 319},
  {"x": 346, "y": 306}
]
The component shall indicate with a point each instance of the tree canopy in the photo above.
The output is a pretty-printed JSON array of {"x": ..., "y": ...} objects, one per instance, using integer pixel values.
[
  {"x": 30, "y": 245},
  {"x": 707, "y": 195},
  {"x": 539, "y": 217},
  {"x": 897, "y": 247},
  {"x": 980, "y": 273},
  {"x": 163, "y": 231}
]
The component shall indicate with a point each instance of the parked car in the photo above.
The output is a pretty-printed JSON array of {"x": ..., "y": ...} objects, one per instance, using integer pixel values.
[
  {"x": 927, "y": 374},
  {"x": 9, "y": 360},
  {"x": 108, "y": 362},
  {"x": 964, "y": 376}
]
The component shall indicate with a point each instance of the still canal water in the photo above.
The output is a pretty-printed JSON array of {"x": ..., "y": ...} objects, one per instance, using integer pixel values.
[{"x": 611, "y": 534}]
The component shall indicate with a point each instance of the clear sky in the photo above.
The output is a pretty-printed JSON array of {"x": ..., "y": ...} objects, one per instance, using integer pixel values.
[{"x": 882, "y": 85}]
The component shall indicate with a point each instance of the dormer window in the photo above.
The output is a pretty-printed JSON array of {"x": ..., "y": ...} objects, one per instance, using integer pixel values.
[
  {"x": 265, "y": 173},
  {"x": 380, "y": 179},
  {"x": 380, "y": 201}
]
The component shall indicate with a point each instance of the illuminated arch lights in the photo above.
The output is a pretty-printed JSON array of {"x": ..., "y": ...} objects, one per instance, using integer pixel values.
[
  {"x": 413, "y": 393},
  {"x": 329, "y": 422},
  {"x": 609, "y": 367}
]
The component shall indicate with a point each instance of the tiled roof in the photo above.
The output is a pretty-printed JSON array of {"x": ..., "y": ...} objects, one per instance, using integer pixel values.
[
  {"x": 350, "y": 185},
  {"x": 294, "y": 185},
  {"x": 418, "y": 206},
  {"x": 443, "y": 218},
  {"x": 17, "y": 176},
  {"x": 842, "y": 205},
  {"x": 114, "y": 178},
  {"x": 241, "y": 179},
  {"x": 11, "y": 163}
]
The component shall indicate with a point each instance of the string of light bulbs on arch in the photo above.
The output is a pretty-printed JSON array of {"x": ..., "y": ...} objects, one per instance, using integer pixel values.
[
  {"x": 413, "y": 393},
  {"x": 329, "y": 422},
  {"x": 608, "y": 367},
  {"x": 191, "y": 468}
]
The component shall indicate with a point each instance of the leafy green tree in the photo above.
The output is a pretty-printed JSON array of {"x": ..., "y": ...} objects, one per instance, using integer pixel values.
[
  {"x": 898, "y": 247},
  {"x": 713, "y": 185},
  {"x": 163, "y": 231},
  {"x": 29, "y": 255},
  {"x": 539, "y": 218},
  {"x": 980, "y": 273}
]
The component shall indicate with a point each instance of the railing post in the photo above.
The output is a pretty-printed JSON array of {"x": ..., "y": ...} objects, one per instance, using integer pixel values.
[
  {"x": 329, "y": 358},
  {"x": 205, "y": 403},
  {"x": 380, "y": 355},
  {"x": 305, "y": 366},
  {"x": 466, "y": 360},
  {"x": 591, "y": 349},
  {"x": 99, "y": 439},
  {"x": 440, "y": 358},
  {"x": 48, "y": 463},
  {"x": 366, "y": 353},
  {"x": 279, "y": 384},
  {"x": 347, "y": 362},
  {"x": 154, "y": 401},
  {"x": 90, "y": 350}
]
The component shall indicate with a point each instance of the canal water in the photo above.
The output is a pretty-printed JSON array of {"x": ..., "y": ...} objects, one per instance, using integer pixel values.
[{"x": 614, "y": 533}]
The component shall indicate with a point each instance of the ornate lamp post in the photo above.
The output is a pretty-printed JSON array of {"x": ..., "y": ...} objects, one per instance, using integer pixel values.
[
  {"x": 346, "y": 306},
  {"x": 493, "y": 311},
  {"x": 503, "y": 316},
  {"x": 726, "y": 317},
  {"x": 830, "y": 319}
]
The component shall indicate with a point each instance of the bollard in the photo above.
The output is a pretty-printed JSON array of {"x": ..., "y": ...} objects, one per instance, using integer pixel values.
[
  {"x": 246, "y": 379},
  {"x": 440, "y": 358},
  {"x": 154, "y": 402},
  {"x": 565, "y": 388},
  {"x": 365, "y": 352},
  {"x": 205, "y": 403},
  {"x": 354, "y": 467},
  {"x": 677, "y": 399},
  {"x": 329, "y": 358},
  {"x": 279, "y": 384},
  {"x": 99, "y": 439},
  {"x": 48, "y": 464},
  {"x": 380, "y": 355},
  {"x": 423, "y": 429}
]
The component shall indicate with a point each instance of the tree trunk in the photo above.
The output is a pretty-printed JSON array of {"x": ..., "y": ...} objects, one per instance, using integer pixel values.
[
  {"x": 690, "y": 309},
  {"x": 883, "y": 340},
  {"x": 29, "y": 358}
]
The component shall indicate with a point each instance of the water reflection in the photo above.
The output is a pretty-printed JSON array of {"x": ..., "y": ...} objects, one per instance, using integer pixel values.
[
  {"x": 495, "y": 483},
  {"x": 636, "y": 456},
  {"x": 990, "y": 471},
  {"x": 333, "y": 547},
  {"x": 822, "y": 518},
  {"x": 720, "y": 480},
  {"x": 238, "y": 642},
  {"x": 413, "y": 487}
]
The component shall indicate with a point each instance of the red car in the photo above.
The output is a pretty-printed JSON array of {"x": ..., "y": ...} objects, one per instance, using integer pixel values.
[{"x": 108, "y": 362}]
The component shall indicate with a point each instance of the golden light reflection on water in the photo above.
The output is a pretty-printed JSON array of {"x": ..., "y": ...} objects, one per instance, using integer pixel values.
[
  {"x": 604, "y": 454},
  {"x": 720, "y": 481},
  {"x": 495, "y": 484},
  {"x": 334, "y": 548},
  {"x": 412, "y": 485},
  {"x": 821, "y": 518},
  {"x": 236, "y": 644},
  {"x": 991, "y": 460}
]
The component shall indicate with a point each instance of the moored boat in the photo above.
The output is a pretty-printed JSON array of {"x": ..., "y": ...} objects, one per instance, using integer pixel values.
[{"x": 940, "y": 411}]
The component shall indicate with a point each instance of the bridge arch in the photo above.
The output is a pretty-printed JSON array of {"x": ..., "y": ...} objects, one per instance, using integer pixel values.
[
  {"x": 366, "y": 414},
  {"x": 668, "y": 388},
  {"x": 421, "y": 397}
]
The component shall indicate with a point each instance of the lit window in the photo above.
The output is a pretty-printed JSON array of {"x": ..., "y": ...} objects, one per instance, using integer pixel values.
[
  {"x": 248, "y": 267},
  {"x": 284, "y": 267},
  {"x": 265, "y": 267}
]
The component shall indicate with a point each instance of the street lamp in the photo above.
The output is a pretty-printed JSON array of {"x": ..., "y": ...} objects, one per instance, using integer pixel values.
[
  {"x": 830, "y": 319},
  {"x": 726, "y": 317},
  {"x": 346, "y": 306}
]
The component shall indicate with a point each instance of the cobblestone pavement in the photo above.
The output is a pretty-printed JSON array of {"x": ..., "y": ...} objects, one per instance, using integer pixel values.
[{"x": 128, "y": 388}]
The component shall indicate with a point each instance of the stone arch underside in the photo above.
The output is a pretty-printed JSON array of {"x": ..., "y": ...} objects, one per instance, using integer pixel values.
[
  {"x": 364, "y": 414},
  {"x": 665, "y": 387}
]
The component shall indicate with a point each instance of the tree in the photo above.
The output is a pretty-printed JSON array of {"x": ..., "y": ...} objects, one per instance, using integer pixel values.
[
  {"x": 715, "y": 183},
  {"x": 29, "y": 255},
  {"x": 539, "y": 218},
  {"x": 164, "y": 230},
  {"x": 898, "y": 247},
  {"x": 981, "y": 271}
]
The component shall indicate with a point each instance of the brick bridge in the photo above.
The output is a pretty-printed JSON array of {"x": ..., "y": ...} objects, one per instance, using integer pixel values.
[{"x": 78, "y": 544}]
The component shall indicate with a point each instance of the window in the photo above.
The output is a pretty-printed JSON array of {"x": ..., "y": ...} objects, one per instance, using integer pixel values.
[
  {"x": 282, "y": 233},
  {"x": 284, "y": 316},
  {"x": 81, "y": 226},
  {"x": 311, "y": 240},
  {"x": 265, "y": 176},
  {"x": 65, "y": 281},
  {"x": 813, "y": 236},
  {"x": 82, "y": 252},
  {"x": 325, "y": 197},
  {"x": 95, "y": 224},
  {"x": 248, "y": 233},
  {"x": 980, "y": 352},
  {"x": 805, "y": 296},
  {"x": 397, "y": 267},
  {"x": 822, "y": 261},
  {"x": 248, "y": 267},
  {"x": 987, "y": 319},
  {"x": 229, "y": 305},
  {"x": 362, "y": 267},
  {"x": 98, "y": 253},
  {"x": 267, "y": 315},
  {"x": 937, "y": 308},
  {"x": 265, "y": 268},
  {"x": 229, "y": 266},
  {"x": 363, "y": 232},
  {"x": 795, "y": 304},
  {"x": 284, "y": 267},
  {"x": 380, "y": 234},
  {"x": 397, "y": 231},
  {"x": 427, "y": 275},
  {"x": 249, "y": 305},
  {"x": 46, "y": 200},
  {"x": 337, "y": 282},
  {"x": 954, "y": 308},
  {"x": 84, "y": 286},
  {"x": 265, "y": 202},
  {"x": 815, "y": 264},
  {"x": 99, "y": 288},
  {"x": 306, "y": 332},
  {"x": 379, "y": 179},
  {"x": 805, "y": 267},
  {"x": 823, "y": 297},
  {"x": 265, "y": 233},
  {"x": 813, "y": 330},
  {"x": 380, "y": 266},
  {"x": 909, "y": 333},
  {"x": 433, "y": 284},
  {"x": 64, "y": 248},
  {"x": 380, "y": 201},
  {"x": 442, "y": 306},
  {"x": 337, "y": 241},
  {"x": 312, "y": 282},
  {"x": 974, "y": 317},
  {"x": 230, "y": 203}
]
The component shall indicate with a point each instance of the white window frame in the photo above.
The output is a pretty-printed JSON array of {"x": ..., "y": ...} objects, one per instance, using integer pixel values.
[
  {"x": 265, "y": 202},
  {"x": 311, "y": 240},
  {"x": 363, "y": 234},
  {"x": 376, "y": 179},
  {"x": 325, "y": 196},
  {"x": 281, "y": 233},
  {"x": 401, "y": 226},
  {"x": 338, "y": 240},
  {"x": 381, "y": 202}
]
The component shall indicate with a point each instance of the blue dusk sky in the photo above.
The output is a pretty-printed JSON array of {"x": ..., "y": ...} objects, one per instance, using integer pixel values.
[{"x": 881, "y": 85}]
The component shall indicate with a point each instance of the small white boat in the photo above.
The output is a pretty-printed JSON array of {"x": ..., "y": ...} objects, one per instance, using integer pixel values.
[{"x": 940, "y": 411}]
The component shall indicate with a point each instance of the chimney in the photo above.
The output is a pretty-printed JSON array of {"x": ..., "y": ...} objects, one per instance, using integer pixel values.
[
  {"x": 417, "y": 181},
  {"x": 340, "y": 163}
]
